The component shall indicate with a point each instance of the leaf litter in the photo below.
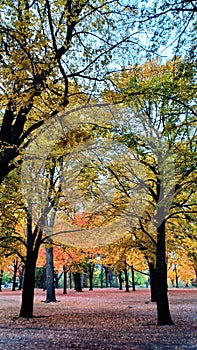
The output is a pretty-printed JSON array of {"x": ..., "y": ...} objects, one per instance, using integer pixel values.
[{"x": 105, "y": 319}]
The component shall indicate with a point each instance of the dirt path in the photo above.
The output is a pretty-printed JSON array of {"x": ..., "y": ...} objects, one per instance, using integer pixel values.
[{"x": 102, "y": 319}]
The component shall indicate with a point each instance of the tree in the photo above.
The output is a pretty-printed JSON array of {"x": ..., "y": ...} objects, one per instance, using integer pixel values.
[
  {"x": 37, "y": 232},
  {"x": 169, "y": 25},
  {"x": 52, "y": 55},
  {"x": 38, "y": 42},
  {"x": 162, "y": 96},
  {"x": 12, "y": 236},
  {"x": 171, "y": 110}
]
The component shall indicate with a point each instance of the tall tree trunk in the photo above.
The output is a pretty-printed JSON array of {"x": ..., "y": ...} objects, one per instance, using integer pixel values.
[
  {"x": 153, "y": 282},
  {"x": 14, "y": 276},
  {"x": 21, "y": 276},
  {"x": 34, "y": 239},
  {"x": 91, "y": 273},
  {"x": 163, "y": 312},
  {"x": 106, "y": 276},
  {"x": 56, "y": 280},
  {"x": 77, "y": 278},
  {"x": 28, "y": 285},
  {"x": 101, "y": 277},
  {"x": 70, "y": 280},
  {"x": 65, "y": 280},
  {"x": 126, "y": 278},
  {"x": 120, "y": 280},
  {"x": 176, "y": 277},
  {"x": 110, "y": 278},
  {"x": 1, "y": 277},
  {"x": 50, "y": 286},
  {"x": 133, "y": 278}
]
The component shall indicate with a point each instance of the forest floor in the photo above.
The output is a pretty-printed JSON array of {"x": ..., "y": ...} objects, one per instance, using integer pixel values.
[{"x": 106, "y": 319}]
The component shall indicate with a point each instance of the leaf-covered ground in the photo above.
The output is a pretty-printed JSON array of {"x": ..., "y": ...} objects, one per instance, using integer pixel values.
[{"x": 102, "y": 319}]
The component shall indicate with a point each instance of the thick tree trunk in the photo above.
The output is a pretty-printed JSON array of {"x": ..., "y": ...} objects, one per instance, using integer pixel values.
[
  {"x": 133, "y": 278},
  {"x": 33, "y": 244},
  {"x": 120, "y": 280},
  {"x": 91, "y": 273},
  {"x": 14, "y": 276},
  {"x": 163, "y": 312},
  {"x": 77, "y": 279},
  {"x": 28, "y": 285},
  {"x": 153, "y": 283},
  {"x": 50, "y": 286}
]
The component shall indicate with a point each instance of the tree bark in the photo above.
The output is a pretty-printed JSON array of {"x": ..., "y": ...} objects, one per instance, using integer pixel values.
[
  {"x": 126, "y": 278},
  {"x": 26, "y": 310},
  {"x": 176, "y": 278},
  {"x": 133, "y": 278},
  {"x": 33, "y": 244},
  {"x": 163, "y": 312},
  {"x": 106, "y": 276},
  {"x": 101, "y": 277},
  {"x": 1, "y": 277},
  {"x": 153, "y": 283},
  {"x": 56, "y": 280},
  {"x": 14, "y": 276},
  {"x": 120, "y": 280},
  {"x": 70, "y": 280},
  {"x": 50, "y": 286},
  {"x": 65, "y": 280},
  {"x": 77, "y": 279},
  {"x": 91, "y": 273},
  {"x": 21, "y": 278}
]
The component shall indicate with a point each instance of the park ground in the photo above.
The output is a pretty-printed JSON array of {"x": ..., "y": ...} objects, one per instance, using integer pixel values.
[{"x": 103, "y": 319}]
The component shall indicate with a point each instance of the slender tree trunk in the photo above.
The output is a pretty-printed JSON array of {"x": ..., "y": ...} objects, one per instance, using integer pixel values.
[
  {"x": 56, "y": 280},
  {"x": 84, "y": 280},
  {"x": 176, "y": 278},
  {"x": 106, "y": 276},
  {"x": 120, "y": 280},
  {"x": 163, "y": 312},
  {"x": 70, "y": 280},
  {"x": 91, "y": 273},
  {"x": 21, "y": 278},
  {"x": 14, "y": 276},
  {"x": 133, "y": 278},
  {"x": 77, "y": 278},
  {"x": 101, "y": 277},
  {"x": 65, "y": 280},
  {"x": 50, "y": 285},
  {"x": 110, "y": 278},
  {"x": 153, "y": 283},
  {"x": 1, "y": 277},
  {"x": 126, "y": 278}
]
